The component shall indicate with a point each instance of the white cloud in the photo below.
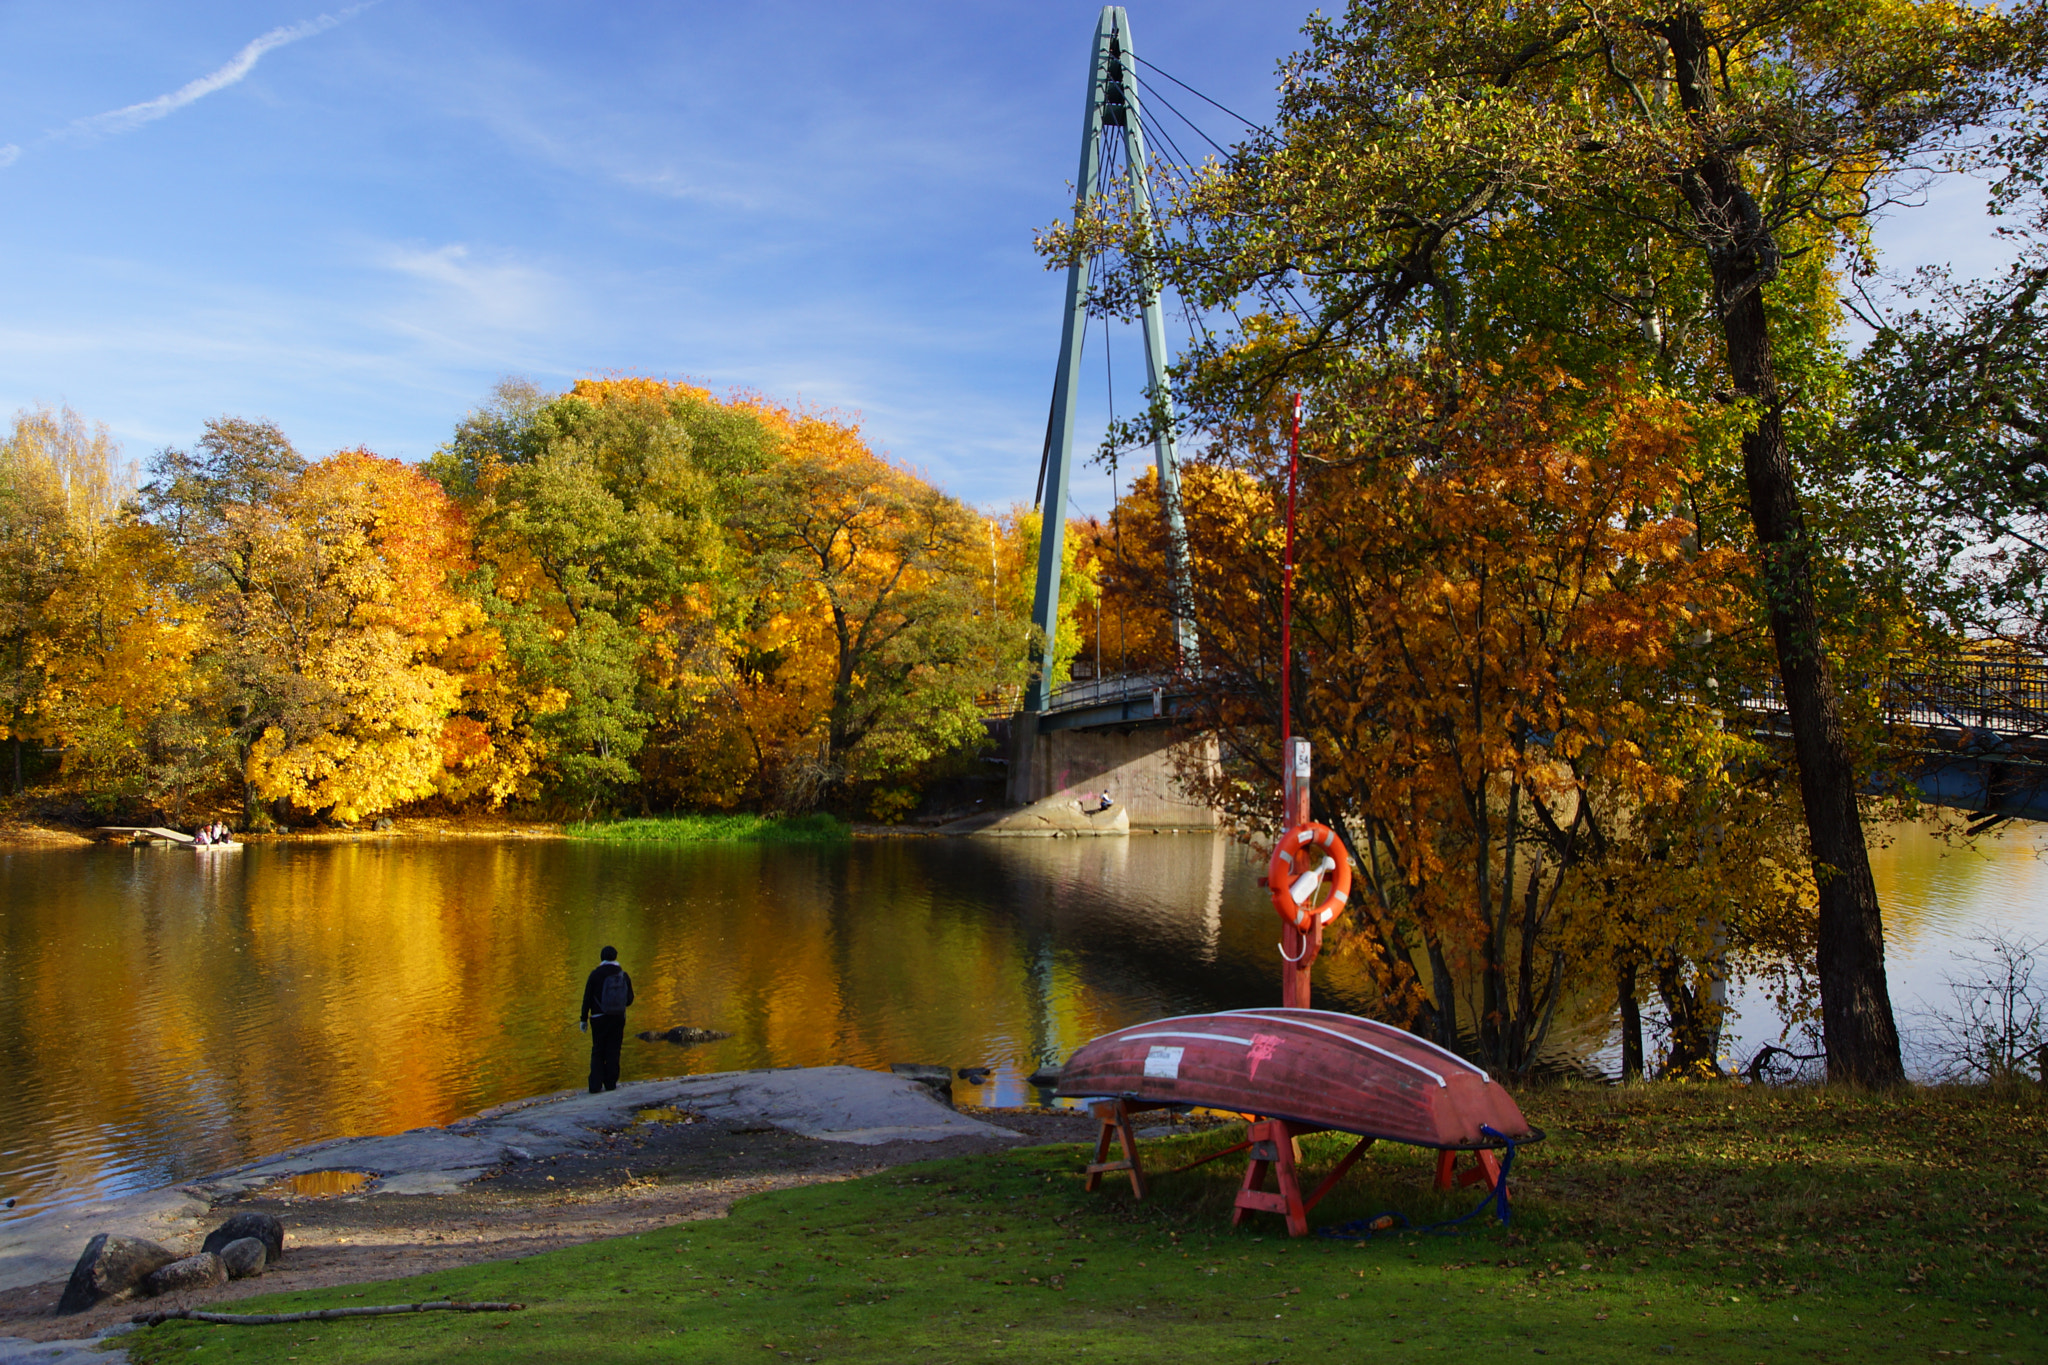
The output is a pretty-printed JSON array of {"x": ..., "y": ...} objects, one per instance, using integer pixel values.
[
  {"x": 135, "y": 115},
  {"x": 466, "y": 293},
  {"x": 9, "y": 154}
]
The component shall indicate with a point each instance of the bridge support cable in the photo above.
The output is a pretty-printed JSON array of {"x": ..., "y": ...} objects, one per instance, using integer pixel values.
[{"x": 1110, "y": 118}]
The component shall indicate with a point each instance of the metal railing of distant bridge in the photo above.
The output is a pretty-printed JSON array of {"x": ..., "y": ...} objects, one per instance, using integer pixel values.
[
  {"x": 1999, "y": 696},
  {"x": 1097, "y": 691}
]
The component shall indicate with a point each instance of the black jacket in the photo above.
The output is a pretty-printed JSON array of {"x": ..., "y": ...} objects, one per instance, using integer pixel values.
[{"x": 595, "y": 984}]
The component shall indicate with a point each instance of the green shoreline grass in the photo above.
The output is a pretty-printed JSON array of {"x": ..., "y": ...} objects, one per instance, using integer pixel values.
[
  {"x": 1704, "y": 1223},
  {"x": 705, "y": 829}
]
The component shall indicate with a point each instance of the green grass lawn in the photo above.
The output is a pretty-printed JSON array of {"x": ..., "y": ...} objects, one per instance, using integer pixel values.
[
  {"x": 1704, "y": 1223},
  {"x": 697, "y": 829}
]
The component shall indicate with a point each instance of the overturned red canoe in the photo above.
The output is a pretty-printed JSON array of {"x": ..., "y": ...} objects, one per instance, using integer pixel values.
[{"x": 1310, "y": 1067}]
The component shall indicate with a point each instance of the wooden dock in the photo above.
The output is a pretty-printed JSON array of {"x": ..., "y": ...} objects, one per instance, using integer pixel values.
[{"x": 169, "y": 836}]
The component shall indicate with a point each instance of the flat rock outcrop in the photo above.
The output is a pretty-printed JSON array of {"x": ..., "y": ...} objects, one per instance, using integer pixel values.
[
  {"x": 830, "y": 1103},
  {"x": 1056, "y": 815}
]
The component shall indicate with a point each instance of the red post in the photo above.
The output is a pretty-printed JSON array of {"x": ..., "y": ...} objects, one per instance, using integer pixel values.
[
  {"x": 1297, "y": 950},
  {"x": 1287, "y": 591}
]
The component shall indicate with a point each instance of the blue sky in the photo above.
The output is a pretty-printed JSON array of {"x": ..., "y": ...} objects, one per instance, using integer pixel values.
[{"x": 354, "y": 220}]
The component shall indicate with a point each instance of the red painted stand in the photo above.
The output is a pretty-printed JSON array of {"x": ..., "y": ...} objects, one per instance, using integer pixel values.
[
  {"x": 1272, "y": 1144},
  {"x": 1485, "y": 1169}
]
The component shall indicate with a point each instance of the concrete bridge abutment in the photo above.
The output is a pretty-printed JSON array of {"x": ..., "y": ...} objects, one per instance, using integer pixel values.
[{"x": 1138, "y": 765}]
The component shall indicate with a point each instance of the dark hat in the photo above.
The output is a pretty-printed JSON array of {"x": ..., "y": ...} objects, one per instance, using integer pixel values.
[{"x": 608, "y": 954}]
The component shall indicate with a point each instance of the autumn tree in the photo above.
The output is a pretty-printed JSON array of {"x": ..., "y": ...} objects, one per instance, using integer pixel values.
[
  {"x": 348, "y": 614},
  {"x": 593, "y": 509},
  {"x": 218, "y": 506},
  {"x": 58, "y": 490},
  {"x": 914, "y": 639},
  {"x": 1501, "y": 607},
  {"x": 1665, "y": 184}
]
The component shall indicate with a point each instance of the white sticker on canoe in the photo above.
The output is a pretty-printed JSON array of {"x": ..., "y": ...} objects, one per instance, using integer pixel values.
[{"x": 1163, "y": 1063}]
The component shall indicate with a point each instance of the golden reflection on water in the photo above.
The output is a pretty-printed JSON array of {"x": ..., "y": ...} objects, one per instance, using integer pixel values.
[
  {"x": 168, "y": 1015},
  {"x": 162, "y": 1016}
]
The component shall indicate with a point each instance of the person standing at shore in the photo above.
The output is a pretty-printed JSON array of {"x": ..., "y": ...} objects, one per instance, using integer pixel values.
[{"x": 606, "y": 994}]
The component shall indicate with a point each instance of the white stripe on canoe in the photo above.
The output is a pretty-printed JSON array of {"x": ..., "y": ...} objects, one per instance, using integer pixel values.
[
  {"x": 1345, "y": 1037},
  {"x": 1211, "y": 1037},
  {"x": 1443, "y": 1052}
]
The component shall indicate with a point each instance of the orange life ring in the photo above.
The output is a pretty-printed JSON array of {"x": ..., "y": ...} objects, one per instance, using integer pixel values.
[{"x": 1295, "y": 871}]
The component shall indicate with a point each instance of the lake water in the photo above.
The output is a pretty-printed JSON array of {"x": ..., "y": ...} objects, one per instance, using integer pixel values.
[{"x": 164, "y": 1014}]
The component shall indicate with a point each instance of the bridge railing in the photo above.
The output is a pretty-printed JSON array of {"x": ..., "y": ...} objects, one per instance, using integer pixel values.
[
  {"x": 2001, "y": 696},
  {"x": 1097, "y": 691}
]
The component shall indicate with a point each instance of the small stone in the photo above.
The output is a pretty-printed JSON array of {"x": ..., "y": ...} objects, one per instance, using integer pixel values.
[
  {"x": 262, "y": 1226},
  {"x": 204, "y": 1271},
  {"x": 245, "y": 1258},
  {"x": 111, "y": 1266},
  {"x": 383, "y": 823},
  {"x": 684, "y": 1034}
]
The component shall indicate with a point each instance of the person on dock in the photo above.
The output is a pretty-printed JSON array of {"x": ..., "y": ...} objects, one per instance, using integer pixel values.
[{"x": 606, "y": 994}]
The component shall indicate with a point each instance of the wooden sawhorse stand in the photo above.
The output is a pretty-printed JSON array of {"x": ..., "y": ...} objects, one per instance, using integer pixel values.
[
  {"x": 1485, "y": 1169},
  {"x": 1115, "y": 1118},
  {"x": 1271, "y": 1143},
  {"x": 1272, "y": 1146}
]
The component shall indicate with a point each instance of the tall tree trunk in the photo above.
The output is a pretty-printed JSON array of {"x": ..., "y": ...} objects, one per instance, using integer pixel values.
[
  {"x": 1445, "y": 989},
  {"x": 1862, "y": 1039},
  {"x": 1692, "y": 1047},
  {"x": 1856, "y": 1009},
  {"x": 1631, "y": 1022}
]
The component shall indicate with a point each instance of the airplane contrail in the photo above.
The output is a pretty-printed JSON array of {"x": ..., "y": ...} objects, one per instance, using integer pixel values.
[{"x": 135, "y": 115}]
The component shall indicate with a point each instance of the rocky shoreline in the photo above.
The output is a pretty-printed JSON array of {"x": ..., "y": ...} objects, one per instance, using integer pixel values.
[{"x": 527, "y": 1176}]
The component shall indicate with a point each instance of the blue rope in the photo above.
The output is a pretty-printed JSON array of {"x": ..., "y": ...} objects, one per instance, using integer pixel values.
[{"x": 1392, "y": 1220}]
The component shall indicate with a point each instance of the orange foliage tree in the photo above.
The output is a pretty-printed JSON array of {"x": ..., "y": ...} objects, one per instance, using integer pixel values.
[{"x": 1505, "y": 636}]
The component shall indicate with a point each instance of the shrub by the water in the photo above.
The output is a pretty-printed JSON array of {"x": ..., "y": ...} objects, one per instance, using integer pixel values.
[{"x": 701, "y": 829}]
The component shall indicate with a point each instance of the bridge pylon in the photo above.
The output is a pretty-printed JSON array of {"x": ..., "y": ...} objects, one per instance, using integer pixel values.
[{"x": 1111, "y": 113}]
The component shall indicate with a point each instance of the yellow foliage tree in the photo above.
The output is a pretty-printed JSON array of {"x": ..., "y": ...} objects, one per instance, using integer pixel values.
[{"x": 351, "y": 612}]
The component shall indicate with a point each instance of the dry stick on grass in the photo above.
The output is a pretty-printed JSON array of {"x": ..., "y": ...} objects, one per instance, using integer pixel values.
[{"x": 323, "y": 1314}]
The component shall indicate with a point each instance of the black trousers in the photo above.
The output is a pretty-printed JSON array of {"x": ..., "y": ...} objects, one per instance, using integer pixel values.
[{"x": 607, "y": 1036}]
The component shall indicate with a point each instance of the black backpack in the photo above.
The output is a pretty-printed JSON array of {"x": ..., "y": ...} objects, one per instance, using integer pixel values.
[{"x": 614, "y": 994}]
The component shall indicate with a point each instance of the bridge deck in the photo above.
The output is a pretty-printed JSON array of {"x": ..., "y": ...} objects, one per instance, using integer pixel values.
[{"x": 1981, "y": 725}]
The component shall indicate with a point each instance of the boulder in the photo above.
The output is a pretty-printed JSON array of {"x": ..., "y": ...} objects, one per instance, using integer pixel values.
[
  {"x": 937, "y": 1079},
  {"x": 245, "y": 1258},
  {"x": 204, "y": 1271},
  {"x": 261, "y": 1226},
  {"x": 111, "y": 1267}
]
